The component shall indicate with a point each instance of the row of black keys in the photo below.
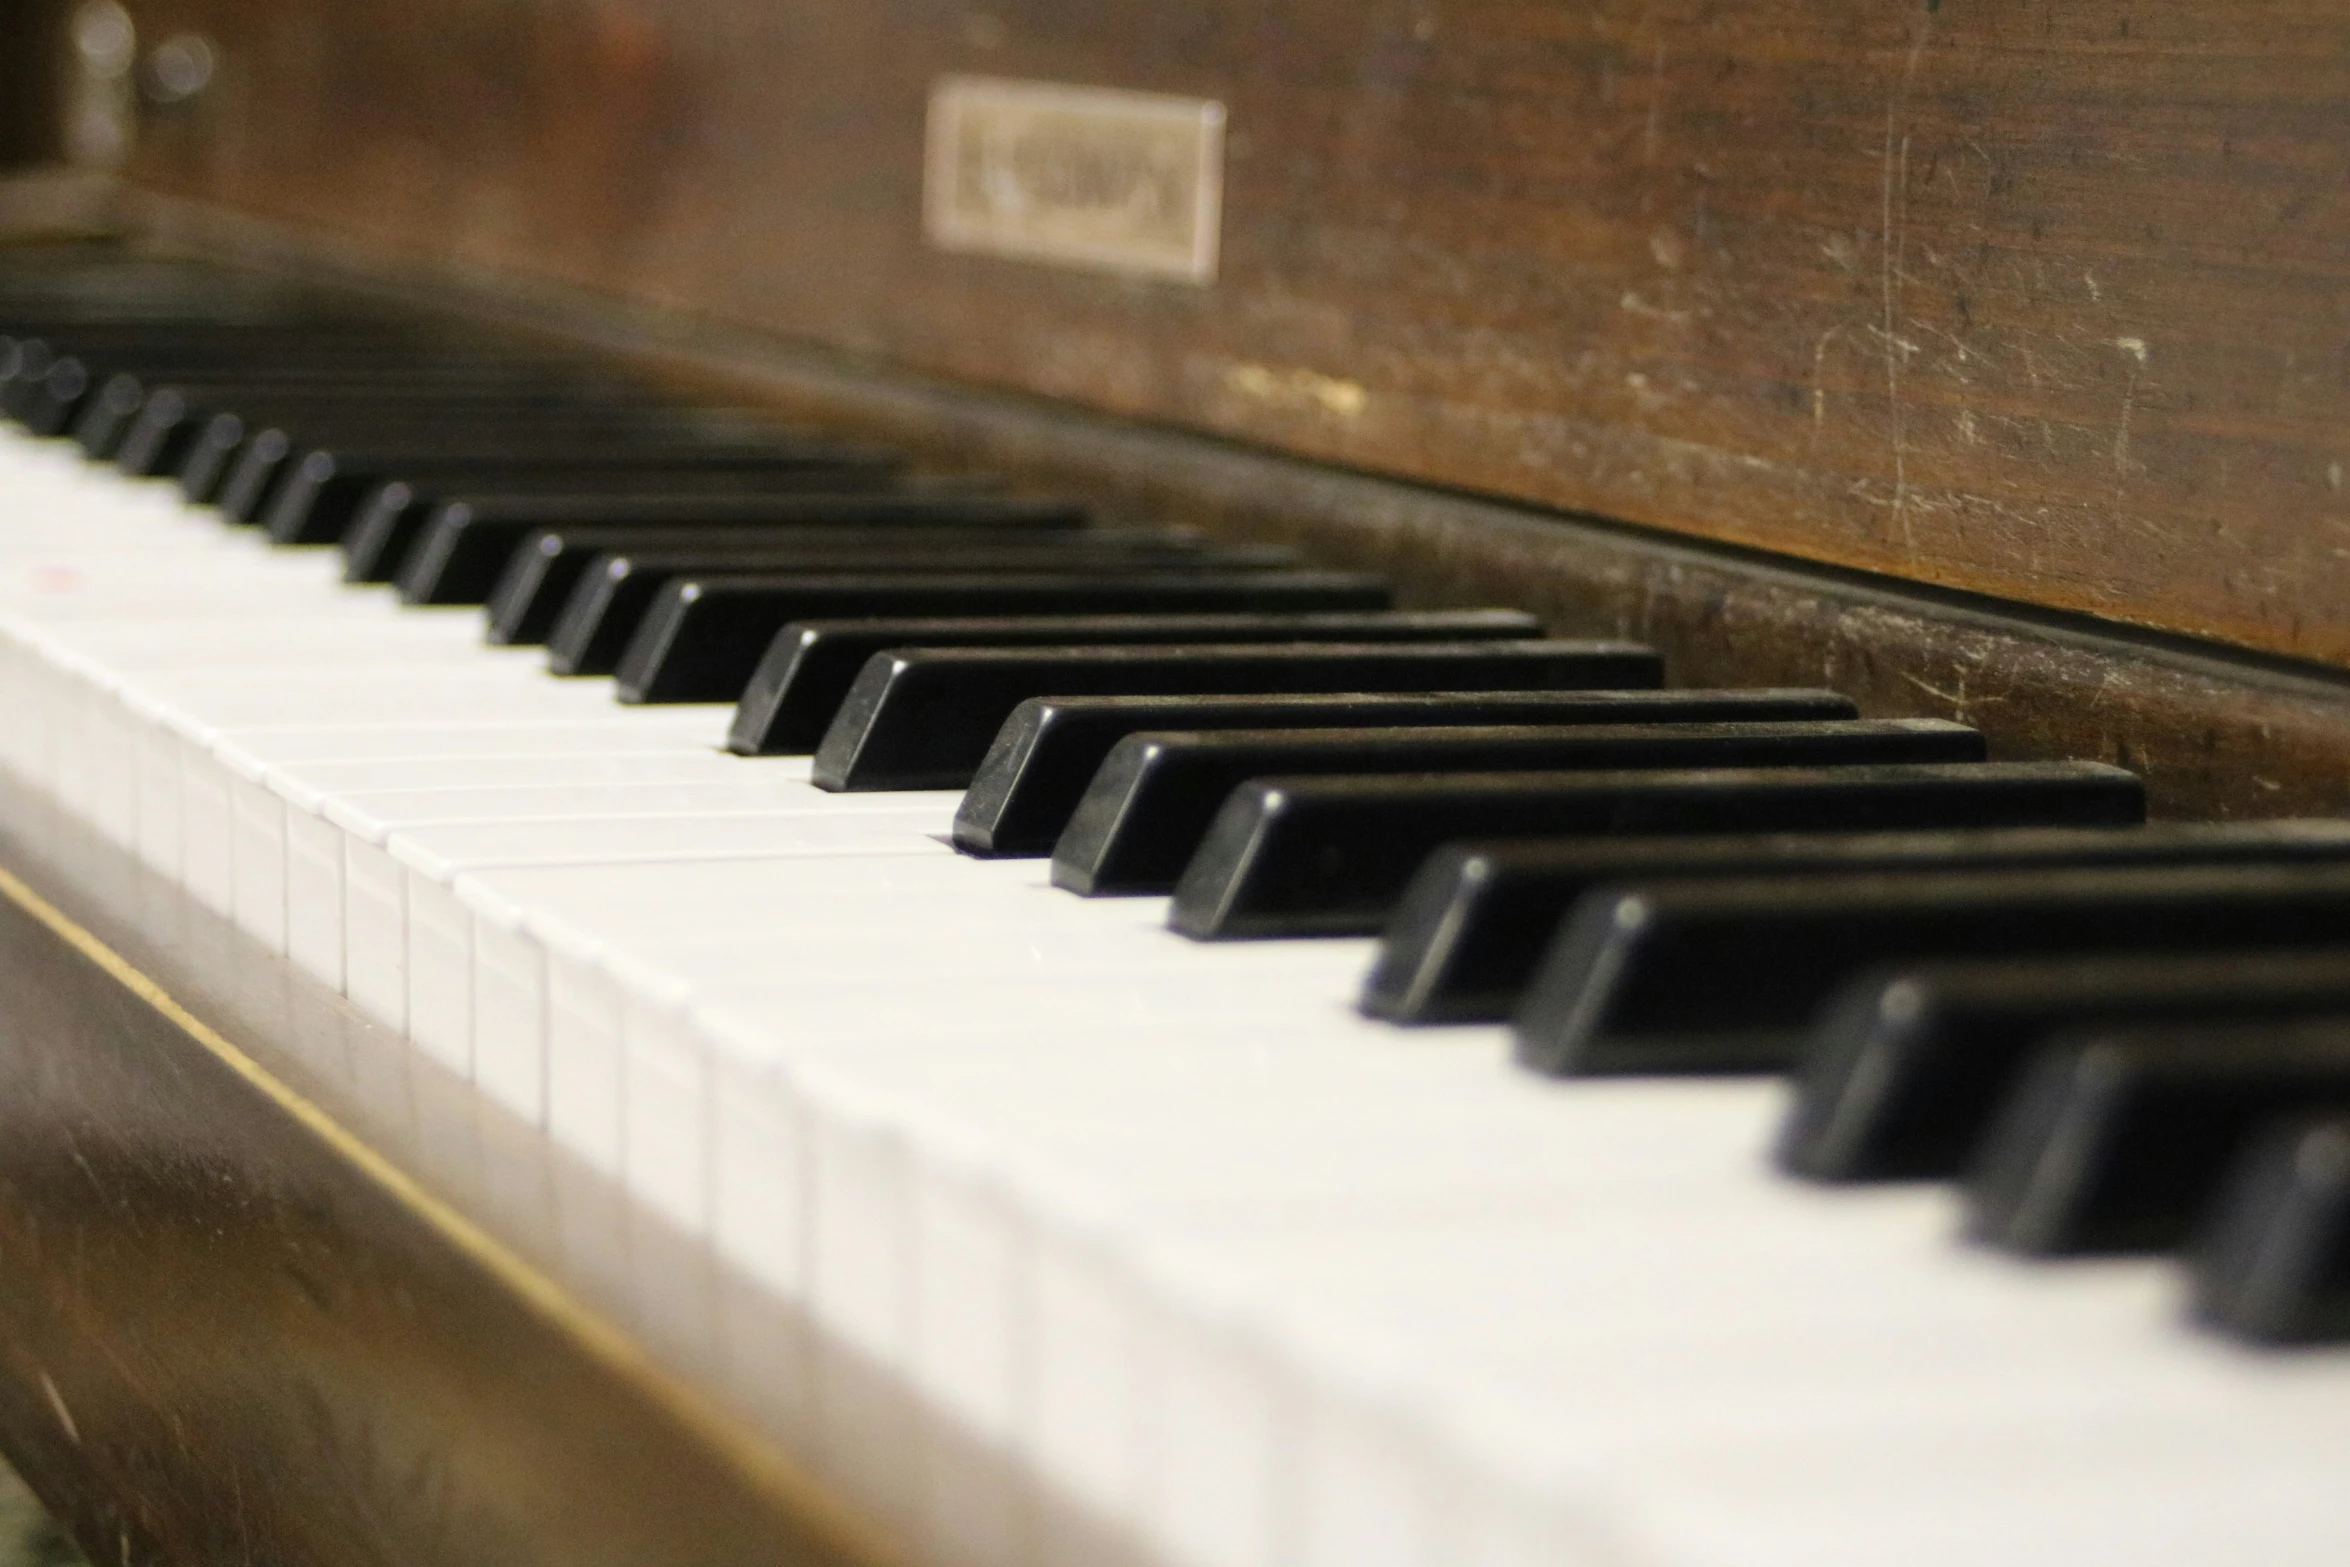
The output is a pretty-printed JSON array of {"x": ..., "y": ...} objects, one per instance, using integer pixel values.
[{"x": 1677, "y": 888}]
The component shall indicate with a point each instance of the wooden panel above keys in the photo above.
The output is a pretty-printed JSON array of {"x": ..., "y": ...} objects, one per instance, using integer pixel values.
[{"x": 2034, "y": 299}]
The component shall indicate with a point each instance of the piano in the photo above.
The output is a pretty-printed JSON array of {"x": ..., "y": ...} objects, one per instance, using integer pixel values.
[{"x": 1295, "y": 786}]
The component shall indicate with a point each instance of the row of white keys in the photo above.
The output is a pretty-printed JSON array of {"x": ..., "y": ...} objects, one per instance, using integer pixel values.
[
  {"x": 1851, "y": 1315},
  {"x": 1262, "y": 1283},
  {"x": 1598, "y": 1283}
]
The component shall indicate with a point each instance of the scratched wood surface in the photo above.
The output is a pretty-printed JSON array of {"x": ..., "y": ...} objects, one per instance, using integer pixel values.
[{"x": 2038, "y": 297}]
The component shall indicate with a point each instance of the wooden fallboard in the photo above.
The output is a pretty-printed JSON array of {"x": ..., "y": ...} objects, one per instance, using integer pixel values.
[{"x": 2041, "y": 298}]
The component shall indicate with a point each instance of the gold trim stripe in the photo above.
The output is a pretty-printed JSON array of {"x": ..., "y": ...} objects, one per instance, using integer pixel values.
[{"x": 807, "y": 1501}]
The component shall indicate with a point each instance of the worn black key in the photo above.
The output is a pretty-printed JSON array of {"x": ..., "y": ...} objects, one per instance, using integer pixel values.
[
  {"x": 703, "y": 638},
  {"x": 1330, "y": 856},
  {"x": 466, "y": 544},
  {"x": 1478, "y": 917},
  {"x": 2272, "y": 1262},
  {"x": 924, "y": 718},
  {"x": 610, "y": 601},
  {"x": 1905, "y": 1066},
  {"x": 546, "y": 567},
  {"x": 2119, "y": 1142},
  {"x": 323, "y": 488},
  {"x": 1725, "y": 976},
  {"x": 1151, "y": 803},
  {"x": 808, "y": 669},
  {"x": 1044, "y": 758}
]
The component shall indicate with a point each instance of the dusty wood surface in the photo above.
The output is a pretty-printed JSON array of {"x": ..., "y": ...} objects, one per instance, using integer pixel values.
[{"x": 2042, "y": 298}]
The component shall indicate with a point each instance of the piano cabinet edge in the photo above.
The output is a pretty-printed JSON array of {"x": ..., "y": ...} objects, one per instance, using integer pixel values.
[{"x": 231, "y": 1330}]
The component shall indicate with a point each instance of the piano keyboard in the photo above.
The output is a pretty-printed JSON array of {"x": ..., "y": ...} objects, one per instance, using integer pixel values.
[{"x": 1225, "y": 1270}]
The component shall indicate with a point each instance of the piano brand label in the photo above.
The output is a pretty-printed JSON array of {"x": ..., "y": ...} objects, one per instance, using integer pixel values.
[{"x": 1117, "y": 181}]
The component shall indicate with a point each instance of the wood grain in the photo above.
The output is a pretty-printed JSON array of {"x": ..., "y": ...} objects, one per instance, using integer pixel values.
[{"x": 2040, "y": 299}]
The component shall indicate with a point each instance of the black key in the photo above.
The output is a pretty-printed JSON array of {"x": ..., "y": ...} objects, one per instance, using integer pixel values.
[
  {"x": 1725, "y": 976},
  {"x": 1905, "y": 1066},
  {"x": 132, "y": 410},
  {"x": 1479, "y": 916},
  {"x": 395, "y": 519},
  {"x": 2272, "y": 1264},
  {"x": 1043, "y": 759},
  {"x": 2120, "y": 1142},
  {"x": 48, "y": 406},
  {"x": 24, "y": 360},
  {"x": 610, "y": 600},
  {"x": 185, "y": 431},
  {"x": 366, "y": 428},
  {"x": 159, "y": 437},
  {"x": 320, "y": 495},
  {"x": 107, "y": 414},
  {"x": 703, "y": 638},
  {"x": 1330, "y": 856},
  {"x": 272, "y": 460},
  {"x": 1147, "y": 809},
  {"x": 547, "y": 566},
  {"x": 206, "y": 455},
  {"x": 924, "y": 718},
  {"x": 808, "y": 669},
  {"x": 466, "y": 544},
  {"x": 25, "y": 357}
]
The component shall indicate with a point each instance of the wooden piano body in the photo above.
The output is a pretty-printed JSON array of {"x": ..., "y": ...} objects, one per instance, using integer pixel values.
[{"x": 1984, "y": 360}]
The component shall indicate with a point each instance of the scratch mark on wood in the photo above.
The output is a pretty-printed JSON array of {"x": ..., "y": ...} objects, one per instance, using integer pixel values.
[
  {"x": 2135, "y": 347},
  {"x": 1819, "y": 395},
  {"x": 1891, "y": 241},
  {"x": 1633, "y": 305},
  {"x": 1958, "y": 702},
  {"x": 57, "y": 1407},
  {"x": 1298, "y": 389}
]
